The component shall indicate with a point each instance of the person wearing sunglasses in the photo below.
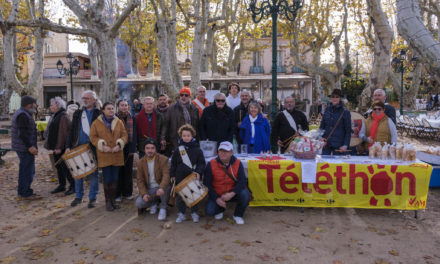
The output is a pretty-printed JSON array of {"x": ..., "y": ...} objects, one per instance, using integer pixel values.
[
  {"x": 178, "y": 114},
  {"x": 336, "y": 124},
  {"x": 217, "y": 122},
  {"x": 378, "y": 126}
]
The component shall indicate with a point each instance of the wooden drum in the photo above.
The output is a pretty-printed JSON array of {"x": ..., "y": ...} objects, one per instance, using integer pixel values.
[
  {"x": 80, "y": 161},
  {"x": 191, "y": 190}
]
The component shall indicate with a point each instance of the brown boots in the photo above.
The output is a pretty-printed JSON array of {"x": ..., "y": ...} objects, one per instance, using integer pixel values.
[{"x": 110, "y": 190}]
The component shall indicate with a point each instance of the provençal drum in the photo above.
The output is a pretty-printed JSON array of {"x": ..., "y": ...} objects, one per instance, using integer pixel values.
[
  {"x": 80, "y": 161},
  {"x": 191, "y": 190}
]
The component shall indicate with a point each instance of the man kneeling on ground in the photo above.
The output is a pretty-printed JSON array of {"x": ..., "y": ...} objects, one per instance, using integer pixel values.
[
  {"x": 226, "y": 181},
  {"x": 153, "y": 179}
]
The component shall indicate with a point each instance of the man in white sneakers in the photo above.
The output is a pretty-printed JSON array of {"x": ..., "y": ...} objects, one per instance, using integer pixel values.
[
  {"x": 153, "y": 178},
  {"x": 226, "y": 181}
]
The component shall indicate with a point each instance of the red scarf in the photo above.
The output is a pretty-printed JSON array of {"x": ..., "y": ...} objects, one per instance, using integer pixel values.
[
  {"x": 143, "y": 128},
  {"x": 375, "y": 125}
]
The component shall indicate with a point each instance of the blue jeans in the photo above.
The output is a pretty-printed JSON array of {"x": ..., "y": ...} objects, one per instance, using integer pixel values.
[
  {"x": 110, "y": 174},
  {"x": 26, "y": 173},
  {"x": 94, "y": 186},
  {"x": 181, "y": 206},
  {"x": 242, "y": 200}
]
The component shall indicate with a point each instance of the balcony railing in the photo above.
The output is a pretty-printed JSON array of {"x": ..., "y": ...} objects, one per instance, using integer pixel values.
[
  {"x": 297, "y": 70},
  {"x": 54, "y": 74},
  {"x": 280, "y": 69},
  {"x": 256, "y": 69}
]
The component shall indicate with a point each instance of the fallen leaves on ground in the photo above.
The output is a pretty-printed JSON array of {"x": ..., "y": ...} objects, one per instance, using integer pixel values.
[
  {"x": 245, "y": 244},
  {"x": 320, "y": 229},
  {"x": 60, "y": 205},
  {"x": 393, "y": 252},
  {"x": 97, "y": 252},
  {"x": 67, "y": 240},
  {"x": 371, "y": 229},
  {"x": 229, "y": 220},
  {"x": 207, "y": 226},
  {"x": 337, "y": 262},
  {"x": 83, "y": 250},
  {"x": 280, "y": 259},
  {"x": 294, "y": 250},
  {"x": 227, "y": 257},
  {"x": 381, "y": 261},
  {"x": 264, "y": 257},
  {"x": 45, "y": 232},
  {"x": 109, "y": 257},
  {"x": 8, "y": 260}
]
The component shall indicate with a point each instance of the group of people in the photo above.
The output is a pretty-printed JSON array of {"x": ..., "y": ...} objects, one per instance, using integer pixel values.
[{"x": 167, "y": 137}]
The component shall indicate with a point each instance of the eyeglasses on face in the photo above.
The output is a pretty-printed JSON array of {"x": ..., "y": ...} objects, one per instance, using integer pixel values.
[
  {"x": 334, "y": 96},
  {"x": 220, "y": 100},
  {"x": 377, "y": 109},
  {"x": 185, "y": 95}
]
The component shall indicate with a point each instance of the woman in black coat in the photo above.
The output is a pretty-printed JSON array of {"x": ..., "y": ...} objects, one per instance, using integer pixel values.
[{"x": 179, "y": 170}]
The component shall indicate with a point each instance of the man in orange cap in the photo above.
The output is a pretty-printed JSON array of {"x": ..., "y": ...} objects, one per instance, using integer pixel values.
[{"x": 178, "y": 114}]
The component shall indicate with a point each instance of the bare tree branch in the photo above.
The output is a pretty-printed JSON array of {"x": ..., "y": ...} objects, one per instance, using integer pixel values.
[{"x": 118, "y": 23}]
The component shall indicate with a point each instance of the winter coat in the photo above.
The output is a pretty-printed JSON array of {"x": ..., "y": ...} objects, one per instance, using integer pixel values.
[
  {"x": 161, "y": 173},
  {"x": 72, "y": 139},
  {"x": 342, "y": 133},
  {"x": 58, "y": 130},
  {"x": 262, "y": 133},
  {"x": 217, "y": 124},
  {"x": 174, "y": 120},
  {"x": 178, "y": 169},
  {"x": 100, "y": 136},
  {"x": 218, "y": 182},
  {"x": 281, "y": 129},
  {"x": 139, "y": 125},
  {"x": 24, "y": 131}
]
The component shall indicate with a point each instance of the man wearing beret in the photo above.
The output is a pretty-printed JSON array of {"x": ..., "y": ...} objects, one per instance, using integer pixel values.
[
  {"x": 24, "y": 142},
  {"x": 178, "y": 114}
]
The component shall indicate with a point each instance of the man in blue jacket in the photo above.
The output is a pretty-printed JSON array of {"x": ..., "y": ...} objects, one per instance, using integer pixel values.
[
  {"x": 336, "y": 123},
  {"x": 24, "y": 142}
]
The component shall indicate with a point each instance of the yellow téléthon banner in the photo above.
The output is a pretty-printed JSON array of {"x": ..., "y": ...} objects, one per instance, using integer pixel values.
[{"x": 278, "y": 183}]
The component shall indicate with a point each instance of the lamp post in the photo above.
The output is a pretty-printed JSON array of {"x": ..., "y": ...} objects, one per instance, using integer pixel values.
[
  {"x": 398, "y": 65},
  {"x": 273, "y": 8},
  {"x": 73, "y": 69}
]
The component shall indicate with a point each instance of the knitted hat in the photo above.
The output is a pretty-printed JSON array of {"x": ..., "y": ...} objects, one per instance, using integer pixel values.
[
  {"x": 27, "y": 100},
  {"x": 185, "y": 90}
]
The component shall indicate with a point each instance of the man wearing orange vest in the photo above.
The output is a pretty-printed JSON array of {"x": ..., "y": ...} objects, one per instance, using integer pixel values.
[
  {"x": 226, "y": 182},
  {"x": 201, "y": 102}
]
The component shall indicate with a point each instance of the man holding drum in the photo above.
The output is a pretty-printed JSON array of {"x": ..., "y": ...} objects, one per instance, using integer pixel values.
[
  {"x": 153, "y": 181},
  {"x": 79, "y": 135},
  {"x": 226, "y": 181}
]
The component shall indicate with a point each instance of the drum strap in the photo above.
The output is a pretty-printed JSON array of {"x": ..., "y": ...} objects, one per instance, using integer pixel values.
[
  {"x": 290, "y": 120},
  {"x": 185, "y": 157}
]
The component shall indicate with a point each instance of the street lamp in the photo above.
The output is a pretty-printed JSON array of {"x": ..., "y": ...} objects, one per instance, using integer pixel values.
[
  {"x": 273, "y": 8},
  {"x": 73, "y": 69},
  {"x": 398, "y": 65}
]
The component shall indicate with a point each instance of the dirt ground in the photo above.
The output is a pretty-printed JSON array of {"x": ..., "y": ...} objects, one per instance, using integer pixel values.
[{"x": 50, "y": 231}]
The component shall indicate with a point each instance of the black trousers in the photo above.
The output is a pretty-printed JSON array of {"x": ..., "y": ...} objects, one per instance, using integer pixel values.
[
  {"x": 125, "y": 179},
  {"x": 63, "y": 172}
]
